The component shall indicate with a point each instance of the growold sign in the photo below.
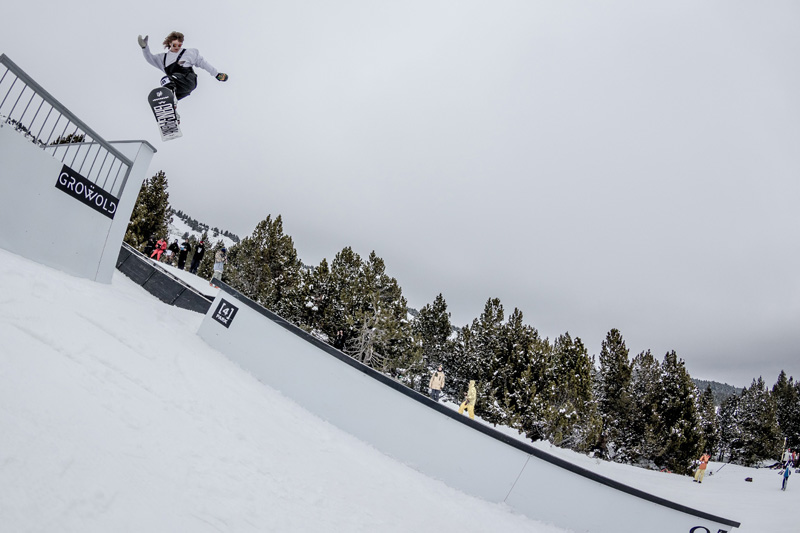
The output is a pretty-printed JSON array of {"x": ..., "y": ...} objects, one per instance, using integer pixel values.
[{"x": 86, "y": 192}]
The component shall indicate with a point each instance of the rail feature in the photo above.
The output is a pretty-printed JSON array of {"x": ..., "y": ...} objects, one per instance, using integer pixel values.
[{"x": 39, "y": 117}]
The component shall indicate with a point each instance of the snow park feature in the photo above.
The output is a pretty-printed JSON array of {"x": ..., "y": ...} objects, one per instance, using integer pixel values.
[
  {"x": 117, "y": 413},
  {"x": 66, "y": 194},
  {"x": 465, "y": 454}
]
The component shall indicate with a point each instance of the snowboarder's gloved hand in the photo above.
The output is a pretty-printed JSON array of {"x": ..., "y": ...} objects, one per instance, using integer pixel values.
[
  {"x": 143, "y": 41},
  {"x": 222, "y": 77}
]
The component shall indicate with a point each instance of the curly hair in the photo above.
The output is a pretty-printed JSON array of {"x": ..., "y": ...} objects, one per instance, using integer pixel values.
[{"x": 171, "y": 37}]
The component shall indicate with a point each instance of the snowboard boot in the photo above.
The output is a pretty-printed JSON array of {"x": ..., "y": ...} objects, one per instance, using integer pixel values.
[{"x": 169, "y": 83}]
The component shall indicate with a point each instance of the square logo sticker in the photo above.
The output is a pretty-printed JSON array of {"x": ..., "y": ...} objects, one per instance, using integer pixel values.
[{"x": 225, "y": 313}]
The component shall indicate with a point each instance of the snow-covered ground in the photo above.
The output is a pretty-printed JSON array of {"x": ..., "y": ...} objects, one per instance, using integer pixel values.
[
  {"x": 201, "y": 285},
  {"x": 115, "y": 416}
]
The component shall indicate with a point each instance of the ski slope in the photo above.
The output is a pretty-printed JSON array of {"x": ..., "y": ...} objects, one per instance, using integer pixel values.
[{"x": 116, "y": 416}]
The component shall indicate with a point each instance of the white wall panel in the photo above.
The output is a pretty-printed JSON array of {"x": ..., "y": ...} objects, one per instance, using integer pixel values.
[{"x": 433, "y": 439}]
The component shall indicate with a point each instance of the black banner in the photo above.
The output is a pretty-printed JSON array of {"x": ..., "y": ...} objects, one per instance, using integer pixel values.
[
  {"x": 225, "y": 313},
  {"x": 86, "y": 192}
]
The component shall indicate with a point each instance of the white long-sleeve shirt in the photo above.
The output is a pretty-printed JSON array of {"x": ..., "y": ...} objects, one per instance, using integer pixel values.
[{"x": 191, "y": 58}]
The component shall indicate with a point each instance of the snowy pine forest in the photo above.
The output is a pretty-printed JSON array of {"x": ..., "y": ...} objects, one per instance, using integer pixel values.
[{"x": 642, "y": 409}]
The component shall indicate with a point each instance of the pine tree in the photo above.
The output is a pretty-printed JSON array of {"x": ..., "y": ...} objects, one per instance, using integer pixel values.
[
  {"x": 317, "y": 297},
  {"x": 645, "y": 420},
  {"x": 709, "y": 422},
  {"x": 151, "y": 213},
  {"x": 431, "y": 331},
  {"x": 786, "y": 393},
  {"x": 613, "y": 393},
  {"x": 680, "y": 434},
  {"x": 344, "y": 277},
  {"x": 384, "y": 315},
  {"x": 463, "y": 364},
  {"x": 265, "y": 267},
  {"x": 487, "y": 344},
  {"x": 729, "y": 431},
  {"x": 759, "y": 436},
  {"x": 369, "y": 308},
  {"x": 568, "y": 414},
  {"x": 513, "y": 383}
]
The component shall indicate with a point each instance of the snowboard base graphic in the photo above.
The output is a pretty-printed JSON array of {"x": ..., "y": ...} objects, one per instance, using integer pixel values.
[{"x": 162, "y": 102}]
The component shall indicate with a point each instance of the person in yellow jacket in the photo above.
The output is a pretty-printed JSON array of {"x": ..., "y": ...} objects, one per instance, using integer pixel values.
[
  {"x": 437, "y": 384},
  {"x": 701, "y": 469},
  {"x": 469, "y": 402}
]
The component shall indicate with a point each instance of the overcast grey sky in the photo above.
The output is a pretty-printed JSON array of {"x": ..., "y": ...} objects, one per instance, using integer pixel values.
[{"x": 598, "y": 165}]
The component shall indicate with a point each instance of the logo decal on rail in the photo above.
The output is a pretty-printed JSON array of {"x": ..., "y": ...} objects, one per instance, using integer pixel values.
[{"x": 225, "y": 313}]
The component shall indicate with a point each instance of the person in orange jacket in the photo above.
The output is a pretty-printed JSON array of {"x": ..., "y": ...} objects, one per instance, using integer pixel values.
[{"x": 701, "y": 469}]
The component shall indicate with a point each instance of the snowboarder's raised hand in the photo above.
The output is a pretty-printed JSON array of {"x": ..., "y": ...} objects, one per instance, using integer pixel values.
[
  {"x": 222, "y": 77},
  {"x": 143, "y": 41}
]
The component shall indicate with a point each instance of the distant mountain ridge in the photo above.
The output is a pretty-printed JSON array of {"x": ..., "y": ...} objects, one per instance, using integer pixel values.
[{"x": 721, "y": 391}]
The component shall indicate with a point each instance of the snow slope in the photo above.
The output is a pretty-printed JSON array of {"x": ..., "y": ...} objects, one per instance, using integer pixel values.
[{"x": 115, "y": 416}]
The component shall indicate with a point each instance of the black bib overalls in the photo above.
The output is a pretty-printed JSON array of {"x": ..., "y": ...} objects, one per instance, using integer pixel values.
[{"x": 184, "y": 78}]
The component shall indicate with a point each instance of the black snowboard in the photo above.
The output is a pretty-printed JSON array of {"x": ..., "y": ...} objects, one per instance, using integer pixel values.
[{"x": 162, "y": 102}]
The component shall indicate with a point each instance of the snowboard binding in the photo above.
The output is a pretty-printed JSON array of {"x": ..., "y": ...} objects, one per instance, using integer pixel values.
[{"x": 169, "y": 83}]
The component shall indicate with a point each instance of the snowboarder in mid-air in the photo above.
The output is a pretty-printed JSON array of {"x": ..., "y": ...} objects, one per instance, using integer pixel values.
[
  {"x": 177, "y": 63},
  {"x": 179, "y": 82}
]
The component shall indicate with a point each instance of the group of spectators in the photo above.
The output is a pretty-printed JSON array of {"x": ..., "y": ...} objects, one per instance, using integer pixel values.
[{"x": 175, "y": 254}]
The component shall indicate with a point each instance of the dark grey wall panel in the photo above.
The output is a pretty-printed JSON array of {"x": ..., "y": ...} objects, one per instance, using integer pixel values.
[{"x": 159, "y": 282}]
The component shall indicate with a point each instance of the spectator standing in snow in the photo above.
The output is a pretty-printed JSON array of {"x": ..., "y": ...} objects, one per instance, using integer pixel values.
[
  {"x": 338, "y": 341},
  {"x": 437, "y": 384},
  {"x": 787, "y": 471},
  {"x": 172, "y": 251},
  {"x": 161, "y": 246},
  {"x": 199, "y": 251},
  {"x": 185, "y": 249},
  {"x": 701, "y": 468},
  {"x": 219, "y": 264},
  {"x": 150, "y": 246},
  {"x": 469, "y": 401}
]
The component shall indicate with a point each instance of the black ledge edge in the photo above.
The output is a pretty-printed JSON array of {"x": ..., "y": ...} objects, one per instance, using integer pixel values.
[
  {"x": 539, "y": 454},
  {"x": 159, "y": 282}
]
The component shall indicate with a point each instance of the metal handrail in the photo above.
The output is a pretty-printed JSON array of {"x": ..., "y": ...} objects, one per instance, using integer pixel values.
[{"x": 69, "y": 139}]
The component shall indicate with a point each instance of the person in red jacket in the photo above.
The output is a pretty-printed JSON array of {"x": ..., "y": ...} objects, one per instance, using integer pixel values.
[{"x": 161, "y": 245}]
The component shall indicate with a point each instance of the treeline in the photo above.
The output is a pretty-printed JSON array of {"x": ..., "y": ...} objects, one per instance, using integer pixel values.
[{"x": 639, "y": 410}]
